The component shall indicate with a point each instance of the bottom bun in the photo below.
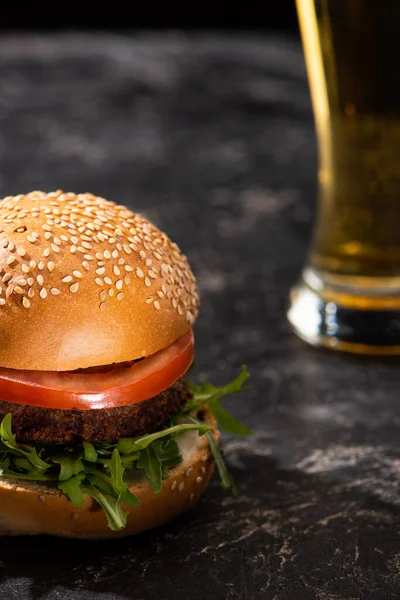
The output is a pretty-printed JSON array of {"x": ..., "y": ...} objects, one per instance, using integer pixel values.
[{"x": 27, "y": 508}]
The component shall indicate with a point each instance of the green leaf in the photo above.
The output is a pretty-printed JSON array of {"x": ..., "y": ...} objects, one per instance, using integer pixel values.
[
  {"x": 116, "y": 470},
  {"x": 68, "y": 466},
  {"x": 152, "y": 467},
  {"x": 72, "y": 488},
  {"x": 116, "y": 517},
  {"x": 227, "y": 480},
  {"x": 203, "y": 394},
  {"x": 226, "y": 421},
  {"x": 7, "y": 436},
  {"x": 128, "y": 498},
  {"x": 168, "y": 452},
  {"x": 144, "y": 441},
  {"x": 90, "y": 452}
]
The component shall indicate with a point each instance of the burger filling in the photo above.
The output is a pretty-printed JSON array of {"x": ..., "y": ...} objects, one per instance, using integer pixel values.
[
  {"x": 56, "y": 426},
  {"x": 92, "y": 451}
]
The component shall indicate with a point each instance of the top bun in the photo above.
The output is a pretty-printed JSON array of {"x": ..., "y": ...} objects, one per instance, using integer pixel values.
[{"x": 86, "y": 282}]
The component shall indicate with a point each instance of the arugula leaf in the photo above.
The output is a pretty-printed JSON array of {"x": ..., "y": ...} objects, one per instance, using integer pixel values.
[
  {"x": 72, "y": 488},
  {"x": 128, "y": 498},
  {"x": 116, "y": 470},
  {"x": 90, "y": 452},
  {"x": 168, "y": 452},
  {"x": 209, "y": 395},
  {"x": 116, "y": 517},
  {"x": 7, "y": 436},
  {"x": 152, "y": 467},
  {"x": 68, "y": 466},
  {"x": 142, "y": 442},
  {"x": 226, "y": 421},
  {"x": 227, "y": 480}
]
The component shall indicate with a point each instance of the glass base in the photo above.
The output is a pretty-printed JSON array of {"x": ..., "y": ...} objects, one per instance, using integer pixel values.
[{"x": 336, "y": 314}]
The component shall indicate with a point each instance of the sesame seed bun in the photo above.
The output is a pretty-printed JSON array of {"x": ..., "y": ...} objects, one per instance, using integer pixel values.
[
  {"x": 86, "y": 282},
  {"x": 27, "y": 508}
]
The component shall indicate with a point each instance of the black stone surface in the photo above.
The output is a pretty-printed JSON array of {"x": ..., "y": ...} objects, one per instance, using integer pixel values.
[{"x": 212, "y": 138}]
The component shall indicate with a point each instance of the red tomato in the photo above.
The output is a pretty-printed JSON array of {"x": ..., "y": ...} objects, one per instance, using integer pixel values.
[{"x": 121, "y": 386}]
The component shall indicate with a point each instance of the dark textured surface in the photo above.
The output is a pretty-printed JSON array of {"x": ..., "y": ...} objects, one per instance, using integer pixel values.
[{"x": 213, "y": 139}]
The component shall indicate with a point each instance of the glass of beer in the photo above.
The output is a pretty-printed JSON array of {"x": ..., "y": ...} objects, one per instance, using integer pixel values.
[{"x": 348, "y": 296}]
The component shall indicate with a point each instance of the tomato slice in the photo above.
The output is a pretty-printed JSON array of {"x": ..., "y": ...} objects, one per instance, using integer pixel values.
[{"x": 119, "y": 387}]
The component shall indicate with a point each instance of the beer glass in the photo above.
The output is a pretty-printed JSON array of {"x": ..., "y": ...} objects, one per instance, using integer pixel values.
[{"x": 348, "y": 296}]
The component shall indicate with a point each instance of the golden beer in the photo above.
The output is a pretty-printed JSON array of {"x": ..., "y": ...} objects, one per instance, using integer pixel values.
[{"x": 349, "y": 295}]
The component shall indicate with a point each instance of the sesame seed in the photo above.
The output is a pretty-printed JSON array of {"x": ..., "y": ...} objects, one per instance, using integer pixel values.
[
  {"x": 87, "y": 245},
  {"x": 21, "y": 251},
  {"x": 55, "y": 248},
  {"x": 85, "y": 265},
  {"x": 98, "y": 255},
  {"x": 46, "y": 252},
  {"x": 119, "y": 284},
  {"x": 181, "y": 486},
  {"x": 152, "y": 274},
  {"x": 148, "y": 262},
  {"x": 31, "y": 238},
  {"x": 4, "y": 243},
  {"x": 74, "y": 287},
  {"x": 191, "y": 497},
  {"x": 100, "y": 271},
  {"x": 64, "y": 238},
  {"x": 54, "y": 291},
  {"x": 157, "y": 305},
  {"x": 10, "y": 260},
  {"x": 107, "y": 254},
  {"x": 18, "y": 290},
  {"x": 147, "y": 282},
  {"x": 108, "y": 280},
  {"x": 81, "y": 250},
  {"x": 41, "y": 266},
  {"x": 120, "y": 295},
  {"x": 66, "y": 279},
  {"x": 74, "y": 239},
  {"x": 127, "y": 249},
  {"x": 127, "y": 279},
  {"x": 2, "y": 301},
  {"x": 142, "y": 254},
  {"x": 98, "y": 281},
  {"x": 72, "y": 249},
  {"x": 149, "y": 300},
  {"x": 103, "y": 295},
  {"x": 26, "y": 302},
  {"x": 128, "y": 268},
  {"x": 25, "y": 268},
  {"x": 116, "y": 270},
  {"x": 88, "y": 257},
  {"x": 50, "y": 266},
  {"x": 31, "y": 281},
  {"x": 77, "y": 274},
  {"x": 43, "y": 293},
  {"x": 160, "y": 294},
  {"x": 111, "y": 292},
  {"x": 57, "y": 241},
  {"x": 173, "y": 485},
  {"x": 114, "y": 254},
  {"x": 189, "y": 472},
  {"x": 199, "y": 479},
  {"x": 139, "y": 272},
  {"x": 102, "y": 305},
  {"x": 39, "y": 279}
]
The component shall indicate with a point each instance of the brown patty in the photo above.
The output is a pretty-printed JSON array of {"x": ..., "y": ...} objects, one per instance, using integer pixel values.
[{"x": 50, "y": 425}]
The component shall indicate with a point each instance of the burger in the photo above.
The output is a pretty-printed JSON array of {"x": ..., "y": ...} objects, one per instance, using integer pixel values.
[{"x": 101, "y": 432}]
